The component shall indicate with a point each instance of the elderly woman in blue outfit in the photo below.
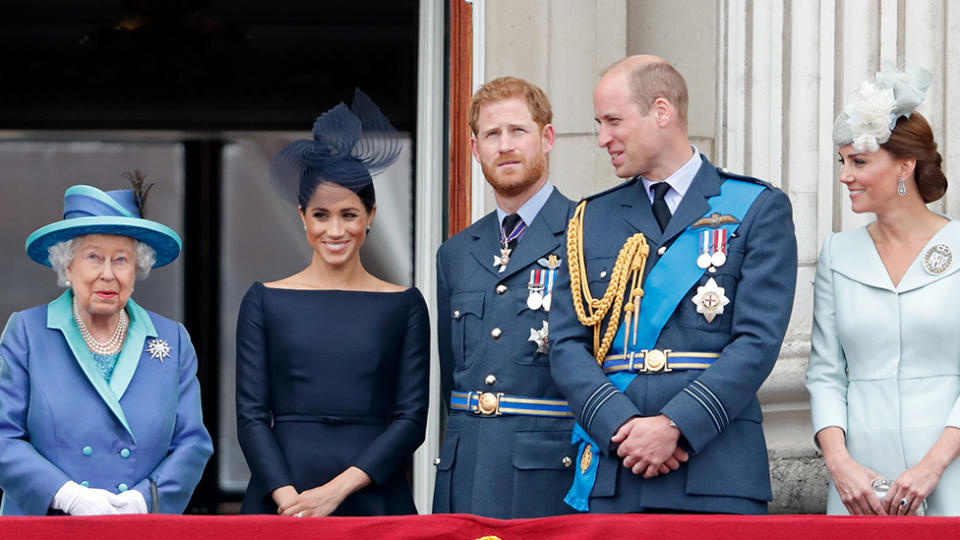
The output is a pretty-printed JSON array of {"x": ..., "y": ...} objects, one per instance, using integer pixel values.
[
  {"x": 99, "y": 401},
  {"x": 884, "y": 371}
]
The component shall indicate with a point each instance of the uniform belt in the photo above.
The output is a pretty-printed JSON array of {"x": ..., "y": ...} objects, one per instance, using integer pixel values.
[
  {"x": 658, "y": 361},
  {"x": 498, "y": 403}
]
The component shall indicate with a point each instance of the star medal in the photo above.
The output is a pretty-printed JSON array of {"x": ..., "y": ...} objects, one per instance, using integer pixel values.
[
  {"x": 159, "y": 349},
  {"x": 710, "y": 300},
  {"x": 539, "y": 337},
  {"x": 536, "y": 288},
  {"x": 502, "y": 259},
  {"x": 937, "y": 259}
]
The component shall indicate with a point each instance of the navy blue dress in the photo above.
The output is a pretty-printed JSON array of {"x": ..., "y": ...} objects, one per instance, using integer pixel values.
[{"x": 327, "y": 379}]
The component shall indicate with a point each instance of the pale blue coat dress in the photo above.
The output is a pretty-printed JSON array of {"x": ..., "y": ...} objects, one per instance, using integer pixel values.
[{"x": 885, "y": 362}]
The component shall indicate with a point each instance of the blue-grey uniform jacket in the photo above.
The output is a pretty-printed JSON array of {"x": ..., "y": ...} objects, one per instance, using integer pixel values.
[
  {"x": 500, "y": 466},
  {"x": 715, "y": 409}
]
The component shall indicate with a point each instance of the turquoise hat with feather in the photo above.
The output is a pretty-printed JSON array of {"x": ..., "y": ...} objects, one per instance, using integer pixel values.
[{"x": 89, "y": 210}]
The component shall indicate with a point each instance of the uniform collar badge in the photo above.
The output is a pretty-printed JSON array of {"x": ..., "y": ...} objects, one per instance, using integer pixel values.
[
  {"x": 158, "y": 348},
  {"x": 710, "y": 300}
]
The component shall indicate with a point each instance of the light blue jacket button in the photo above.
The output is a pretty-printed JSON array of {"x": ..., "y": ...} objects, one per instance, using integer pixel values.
[
  {"x": 85, "y": 483},
  {"x": 87, "y": 450},
  {"x": 121, "y": 488},
  {"x": 125, "y": 453}
]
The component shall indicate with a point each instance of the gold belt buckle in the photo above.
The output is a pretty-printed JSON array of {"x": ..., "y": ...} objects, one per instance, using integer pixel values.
[
  {"x": 655, "y": 361},
  {"x": 488, "y": 403}
]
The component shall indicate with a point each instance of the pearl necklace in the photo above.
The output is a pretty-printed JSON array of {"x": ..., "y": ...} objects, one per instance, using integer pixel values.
[{"x": 106, "y": 348}]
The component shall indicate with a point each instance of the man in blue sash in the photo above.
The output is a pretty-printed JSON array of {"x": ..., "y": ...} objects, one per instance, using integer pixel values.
[
  {"x": 507, "y": 450},
  {"x": 669, "y": 334}
]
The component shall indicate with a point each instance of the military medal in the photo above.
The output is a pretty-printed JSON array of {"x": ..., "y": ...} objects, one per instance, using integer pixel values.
[
  {"x": 552, "y": 264},
  {"x": 505, "y": 239},
  {"x": 539, "y": 337},
  {"x": 719, "y": 256},
  {"x": 536, "y": 287},
  {"x": 710, "y": 300},
  {"x": 159, "y": 349},
  {"x": 937, "y": 259},
  {"x": 502, "y": 259},
  {"x": 713, "y": 249},
  {"x": 704, "y": 259}
]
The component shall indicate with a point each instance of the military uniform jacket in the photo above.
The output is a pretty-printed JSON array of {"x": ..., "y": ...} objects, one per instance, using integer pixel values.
[
  {"x": 715, "y": 409},
  {"x": 60, "y": 420},
  {"x": 499, "y": 466}
]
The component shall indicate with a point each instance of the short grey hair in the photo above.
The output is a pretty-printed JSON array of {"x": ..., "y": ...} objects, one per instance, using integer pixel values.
[{"x": 61, "y": 255}]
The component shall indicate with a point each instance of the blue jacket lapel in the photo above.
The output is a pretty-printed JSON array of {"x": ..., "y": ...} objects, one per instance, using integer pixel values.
[
  {"x": 542, "y": 236},
  {"x": 60, "y": 317},
  {"x": 694, "y": 204},
  {"x": 486, "y": 243},
  {"x": 141, "y": 327},
  {"x": 640, "y": 214}
]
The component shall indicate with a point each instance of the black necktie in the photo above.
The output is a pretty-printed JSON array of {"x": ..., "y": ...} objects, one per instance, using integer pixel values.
[
  {"x": 660, "y": 209},
  {"x": 512, "y": 229}
]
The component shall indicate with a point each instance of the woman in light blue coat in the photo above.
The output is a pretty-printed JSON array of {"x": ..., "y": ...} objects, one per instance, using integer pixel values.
[
  {"x": 884, "y": 371},
  {"x": 99, "y": 401}
]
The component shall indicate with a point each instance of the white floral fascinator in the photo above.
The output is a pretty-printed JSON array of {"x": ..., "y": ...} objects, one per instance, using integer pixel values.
[{"x": 866, "y": 122}]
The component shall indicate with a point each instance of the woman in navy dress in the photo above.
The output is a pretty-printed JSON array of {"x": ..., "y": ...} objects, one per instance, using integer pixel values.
[{"x": 332, "y": 362}]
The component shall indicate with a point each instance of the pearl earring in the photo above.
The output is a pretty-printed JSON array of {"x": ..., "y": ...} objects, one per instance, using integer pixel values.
[
  {"x": 901, "y": 187},
  {"x": 68, "y": 283}
]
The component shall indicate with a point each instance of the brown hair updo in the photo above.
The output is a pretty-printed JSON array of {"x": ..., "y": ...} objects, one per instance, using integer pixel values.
[{"x": 913, "y": 138}]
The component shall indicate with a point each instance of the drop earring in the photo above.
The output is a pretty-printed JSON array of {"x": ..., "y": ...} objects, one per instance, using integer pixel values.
[
  {"x": 368, "y": 229},
  {"x": 901, "y": 187}
]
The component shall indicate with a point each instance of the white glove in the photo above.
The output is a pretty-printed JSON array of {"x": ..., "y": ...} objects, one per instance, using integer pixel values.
[
  {"x": 77, "y": 500},
  {"x": 130, "y": 501}
]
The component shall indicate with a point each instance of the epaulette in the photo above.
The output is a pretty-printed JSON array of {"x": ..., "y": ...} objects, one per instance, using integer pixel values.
[
  {"x": 732, "y": 175},
  {"x": 619, "y": 186}
]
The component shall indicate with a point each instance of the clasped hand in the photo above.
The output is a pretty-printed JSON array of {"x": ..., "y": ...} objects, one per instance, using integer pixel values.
[
  {"x": 648, "y": 446},
  {"x": 77, "y": 500}
]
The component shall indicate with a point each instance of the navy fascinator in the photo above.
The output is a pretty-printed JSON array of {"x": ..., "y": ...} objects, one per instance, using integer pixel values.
[{"x": 349, "y": 146}]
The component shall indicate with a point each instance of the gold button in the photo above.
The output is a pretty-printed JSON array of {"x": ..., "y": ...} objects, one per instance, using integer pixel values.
[
  {"x": 496, "y": 333},
  {"x": 456, "y": 314},
  {"x": 567, "y": 462},
  {"x": 501, "y": 288},
  {"x": 490, "y": 380},
  {"x": 661, "y": 250},
  {"x": 603, "y": 274}
]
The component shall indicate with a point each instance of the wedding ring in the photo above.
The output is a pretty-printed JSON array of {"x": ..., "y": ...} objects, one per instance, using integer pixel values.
[{"x": 904, "y": 502}]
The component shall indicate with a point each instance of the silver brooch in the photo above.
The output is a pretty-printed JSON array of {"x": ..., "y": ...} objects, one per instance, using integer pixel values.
[
  {"x": 937, "y": 259},
  {"x": 159, "y": 349}
]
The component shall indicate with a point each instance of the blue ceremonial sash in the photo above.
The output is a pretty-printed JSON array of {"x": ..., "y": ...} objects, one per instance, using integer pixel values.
[{"x": 666, "y": 284}]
